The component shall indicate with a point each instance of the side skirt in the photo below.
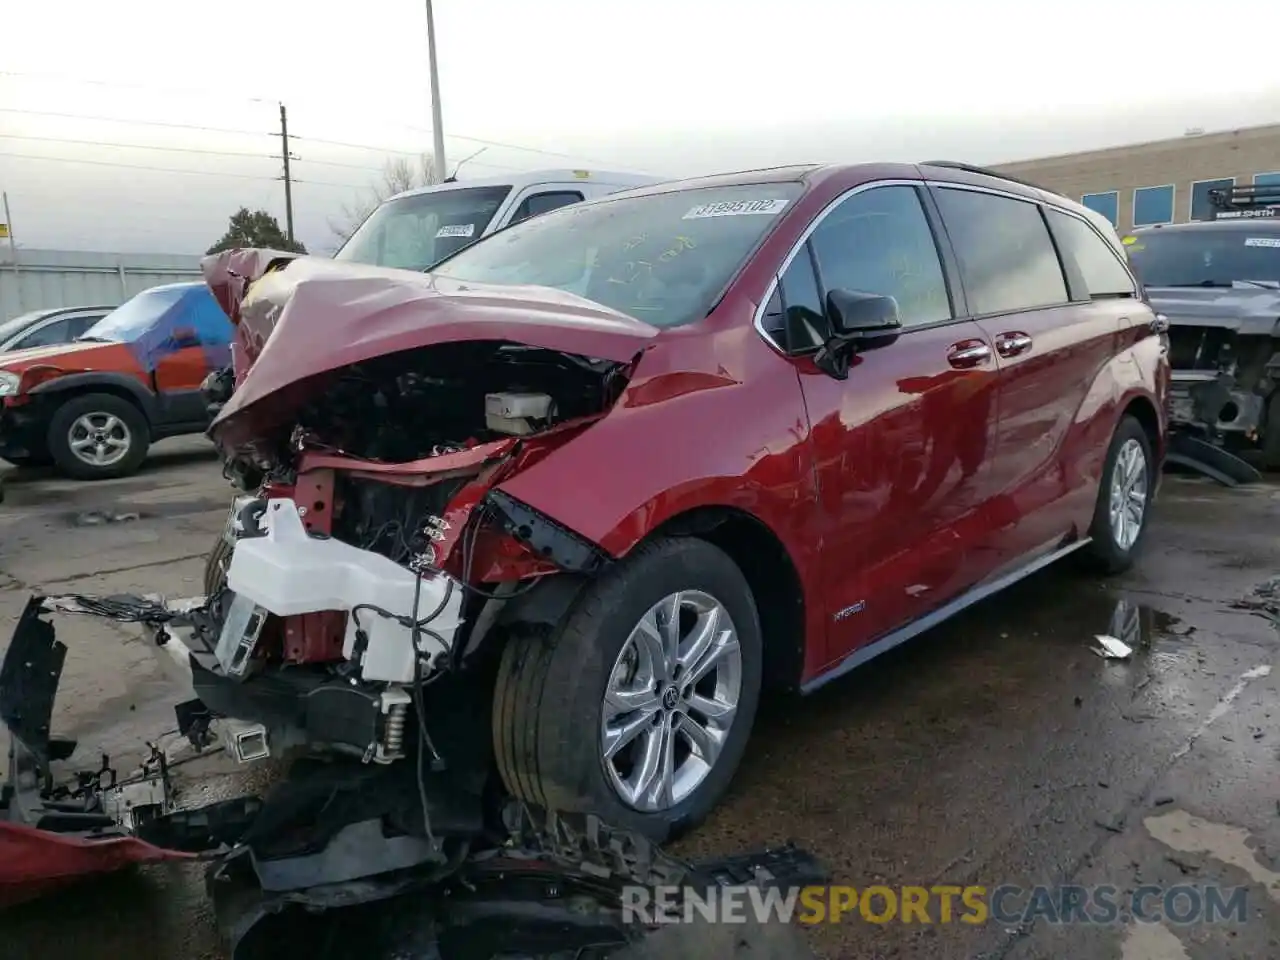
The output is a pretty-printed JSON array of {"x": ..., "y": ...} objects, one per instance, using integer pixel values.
[{"x": 886, "y": 643}]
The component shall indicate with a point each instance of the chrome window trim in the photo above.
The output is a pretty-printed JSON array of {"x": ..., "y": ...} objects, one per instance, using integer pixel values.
[
  {"x": 1043, "y": 199},
  {"x": 758, "y": 319},
  {"x": 39, "y": 325}
]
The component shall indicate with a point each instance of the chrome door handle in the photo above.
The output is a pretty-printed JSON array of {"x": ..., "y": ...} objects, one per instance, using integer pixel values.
[
  {"x": 1012, "y": 344},
  {"x": 970, "y": 354}
]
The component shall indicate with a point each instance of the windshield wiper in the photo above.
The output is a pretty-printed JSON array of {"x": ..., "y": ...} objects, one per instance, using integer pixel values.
[{"x": 87, "y": 339}]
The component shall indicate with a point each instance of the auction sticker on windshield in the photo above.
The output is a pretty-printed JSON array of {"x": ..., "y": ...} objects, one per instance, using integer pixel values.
[
  {"x": 456, "y": 230},
  {"x": 1262, "y": 242},
  {"x": 736, "y": 208}
]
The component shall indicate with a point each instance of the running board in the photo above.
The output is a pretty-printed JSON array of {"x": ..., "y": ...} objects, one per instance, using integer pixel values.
[{"x": 943, "y": 613}]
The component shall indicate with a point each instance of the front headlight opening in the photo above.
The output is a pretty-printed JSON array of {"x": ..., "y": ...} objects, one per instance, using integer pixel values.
[{"x": 9, "y": 383}]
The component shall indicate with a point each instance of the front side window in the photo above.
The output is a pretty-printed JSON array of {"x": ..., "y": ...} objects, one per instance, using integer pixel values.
[
  {"x": 46, "y": 336},
  {"x": 1104, "y": 274},
  {"x": 1205, "y": 256},
  {"x": 664, "y": 258},
  {"x": 879, "y": 241},
  {"x": 544, "y": 202},
  {"x": 420, "y": 230},
  {"x": 1007, "y": 259},
  {"x": 795, "y": 318}
]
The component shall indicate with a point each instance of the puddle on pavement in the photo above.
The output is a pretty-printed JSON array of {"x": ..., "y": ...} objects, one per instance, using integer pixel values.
[
  {"x": 1180, "y": 831},
  {"x": 1140, "y": 626}
]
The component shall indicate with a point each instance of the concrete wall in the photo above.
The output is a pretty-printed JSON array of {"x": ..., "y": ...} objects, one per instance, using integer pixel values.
[
  {"x": 1239, "y": 154},
  {"x": 71, "y": 278}
]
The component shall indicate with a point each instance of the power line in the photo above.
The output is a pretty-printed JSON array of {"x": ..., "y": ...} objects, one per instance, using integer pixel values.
[
  {"x": 142, "y": 123},
  {"x": 457, "y": 136},
  {"x": 140, "y": 146},
  {"x": 335, "y": 143},
  {"x": 150, "y": 88},
  {"x": 138, "y": 166}
]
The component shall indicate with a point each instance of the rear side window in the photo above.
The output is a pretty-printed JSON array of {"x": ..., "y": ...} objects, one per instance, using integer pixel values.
[
  {"x": 537, "y": 203},
  {"x": 1104, "y": 274},
  {"x": 1007, "y": 259}
]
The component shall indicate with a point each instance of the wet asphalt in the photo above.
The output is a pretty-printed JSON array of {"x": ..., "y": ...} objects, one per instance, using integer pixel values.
[{"x": 998, "y": 749}]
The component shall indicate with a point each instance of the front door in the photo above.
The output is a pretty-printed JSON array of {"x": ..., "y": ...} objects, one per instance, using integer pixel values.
[{"x": 900, "y": 446}]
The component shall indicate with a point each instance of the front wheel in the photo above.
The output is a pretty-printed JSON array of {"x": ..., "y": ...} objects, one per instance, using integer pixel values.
[
  {"x": 98, "y": 435},
  {"x": 639, "y": 706},
  {"x": 1124, "y": 499}
]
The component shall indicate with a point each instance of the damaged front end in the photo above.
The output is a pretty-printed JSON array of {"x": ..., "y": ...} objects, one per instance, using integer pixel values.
[{"x": 332, "y": 861}]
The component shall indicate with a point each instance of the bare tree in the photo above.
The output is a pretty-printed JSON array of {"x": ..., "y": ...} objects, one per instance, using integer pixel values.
[{"x": 398, "y": 175}]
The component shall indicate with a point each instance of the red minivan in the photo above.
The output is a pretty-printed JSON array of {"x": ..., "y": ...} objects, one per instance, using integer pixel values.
[{"x": 639, "y": 457}]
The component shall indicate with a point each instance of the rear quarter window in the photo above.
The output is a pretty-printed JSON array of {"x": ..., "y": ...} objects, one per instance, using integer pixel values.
[{"x": 1104, "y": 274}]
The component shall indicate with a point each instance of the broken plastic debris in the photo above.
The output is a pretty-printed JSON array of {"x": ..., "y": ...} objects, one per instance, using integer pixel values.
[{"x": 1110, "y": 648}]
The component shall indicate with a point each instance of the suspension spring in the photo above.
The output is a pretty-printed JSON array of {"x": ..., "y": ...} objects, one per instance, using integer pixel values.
[{"x": 393, "y": 737}]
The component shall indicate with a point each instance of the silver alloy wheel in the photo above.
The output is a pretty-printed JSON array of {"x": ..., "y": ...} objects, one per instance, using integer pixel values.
[
  {"x": 1128, "y": 493},
  {"x": 670, "y": 702},
  {"x": 99, "y": 439}
]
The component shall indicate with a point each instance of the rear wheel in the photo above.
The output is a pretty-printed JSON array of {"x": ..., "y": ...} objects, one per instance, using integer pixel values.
[
  {"x": 1124, "y": 499},
  {"x": 98, "y": 435},
  {"x": 639, "y": 706}
]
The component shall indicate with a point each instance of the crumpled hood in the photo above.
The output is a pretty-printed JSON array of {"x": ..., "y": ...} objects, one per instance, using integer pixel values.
[
  {"x": 313, "y": 315},
  {"x": 1246, "y": 309},
  {"x": 73, "y": 355}
]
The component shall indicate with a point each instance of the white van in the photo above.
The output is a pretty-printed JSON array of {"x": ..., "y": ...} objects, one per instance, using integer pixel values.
[{"x": 417, "y": 229}]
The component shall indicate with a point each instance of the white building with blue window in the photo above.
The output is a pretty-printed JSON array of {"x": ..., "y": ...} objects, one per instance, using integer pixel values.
[{"x": 1164, "y": 181}]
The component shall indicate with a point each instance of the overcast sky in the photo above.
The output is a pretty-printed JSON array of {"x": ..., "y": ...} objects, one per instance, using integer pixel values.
[{"x": 669, "y": 87}]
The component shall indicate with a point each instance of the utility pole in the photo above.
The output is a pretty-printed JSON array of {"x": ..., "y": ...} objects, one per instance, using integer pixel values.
[
  {"x": 13, "y": 250},
  {"x": 288, "y": 182},
  {"x": 437, "y": 120}
]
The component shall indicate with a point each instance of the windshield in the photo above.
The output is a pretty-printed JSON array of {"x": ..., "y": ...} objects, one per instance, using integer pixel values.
[
  {"x": 1204, "y": 256},
  {"x": 415, "y": 232},
  {"x": 663, "y": 258},
  {"x": 129, "y": 321}
]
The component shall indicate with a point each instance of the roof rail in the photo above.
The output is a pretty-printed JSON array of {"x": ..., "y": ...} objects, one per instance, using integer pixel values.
[
  {"x": 1245, "y": 202},
  {"x": 987, "y": 172}
]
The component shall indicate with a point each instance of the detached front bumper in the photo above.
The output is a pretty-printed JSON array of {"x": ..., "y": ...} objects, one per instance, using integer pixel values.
[
  {"x": 1215, "y": 401},
  {"x": 22, "y": 430},
  {"x": 56, "y": 830}
]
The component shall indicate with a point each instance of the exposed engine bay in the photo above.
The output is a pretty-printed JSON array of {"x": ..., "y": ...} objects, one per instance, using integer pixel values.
[
  {"x": 419, "y": 404},
  {"x": 357, "y": 570}
]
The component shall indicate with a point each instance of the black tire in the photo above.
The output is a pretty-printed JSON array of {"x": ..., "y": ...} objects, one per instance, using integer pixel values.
[
  {"x": 1105, "y": 552},
  {"x": 1271, "y": 434},
  {"x": 92, "y": 403},
  {"x": 215, "y": 567},
  {"x": 550, "y": 689}
]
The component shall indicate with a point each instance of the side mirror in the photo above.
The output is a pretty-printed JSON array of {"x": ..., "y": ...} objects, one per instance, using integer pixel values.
[{"x": 854, "y": 317}]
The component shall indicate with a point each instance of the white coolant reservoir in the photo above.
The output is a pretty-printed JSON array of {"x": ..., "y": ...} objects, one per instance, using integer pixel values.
[{"x": 289, "y": 572}]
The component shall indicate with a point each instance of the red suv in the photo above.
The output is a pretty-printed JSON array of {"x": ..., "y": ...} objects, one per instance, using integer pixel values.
[{"x": 614, "y": 469}]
